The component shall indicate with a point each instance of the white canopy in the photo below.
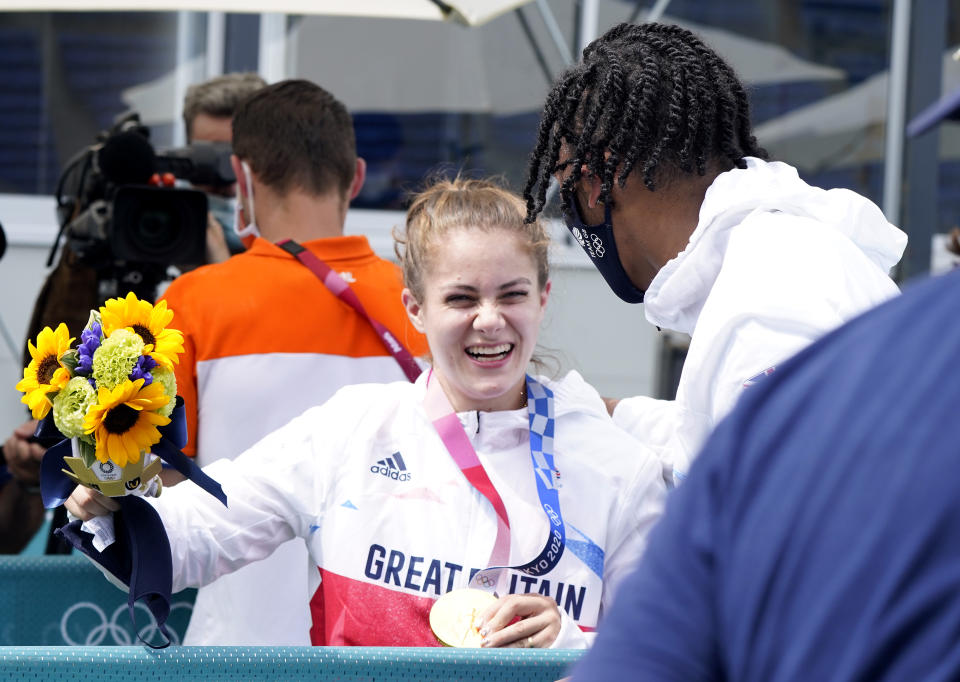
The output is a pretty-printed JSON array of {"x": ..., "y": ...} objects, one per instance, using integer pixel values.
[
  {"x": 382, "y": 64},
  {"x": 848, "y": 128},
  {"x": 468, "y": 12}
]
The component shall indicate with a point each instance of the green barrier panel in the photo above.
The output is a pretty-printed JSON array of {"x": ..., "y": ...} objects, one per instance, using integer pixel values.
[
  {"x": 64, "y": 600},
  {"x": 117, "y": 664}
]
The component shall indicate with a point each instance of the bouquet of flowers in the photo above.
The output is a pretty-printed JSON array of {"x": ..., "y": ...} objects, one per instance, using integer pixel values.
[
  {"x": 110, "y": 404},
  {"x": 110, "y": 393}
]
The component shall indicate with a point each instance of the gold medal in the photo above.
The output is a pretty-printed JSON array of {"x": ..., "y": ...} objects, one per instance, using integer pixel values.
[{"x": 455, "y": 617}]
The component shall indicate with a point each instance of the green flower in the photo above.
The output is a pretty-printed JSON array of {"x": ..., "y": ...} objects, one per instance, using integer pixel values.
[
  {"x": 115, "y": 358},
  {"x": 71, "y": 405},
  {"x": 169, "y": 381}
]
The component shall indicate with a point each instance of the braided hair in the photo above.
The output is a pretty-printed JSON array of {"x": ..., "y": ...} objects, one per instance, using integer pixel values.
[{"x": 651, "y": 97}]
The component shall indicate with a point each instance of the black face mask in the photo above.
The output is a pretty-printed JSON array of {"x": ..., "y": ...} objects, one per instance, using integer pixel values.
[{"x": 598, "y": 242}]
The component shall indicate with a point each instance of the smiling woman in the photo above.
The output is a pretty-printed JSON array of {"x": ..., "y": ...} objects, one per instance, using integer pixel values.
[
  {"x": 405, "y": 492},
  {"x": 478, "y": 284}
]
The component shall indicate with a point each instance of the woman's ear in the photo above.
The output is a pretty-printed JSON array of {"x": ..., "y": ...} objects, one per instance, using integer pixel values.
[
  {"x": 545, "y": 295},
  {"x": 413, "y": 308}
]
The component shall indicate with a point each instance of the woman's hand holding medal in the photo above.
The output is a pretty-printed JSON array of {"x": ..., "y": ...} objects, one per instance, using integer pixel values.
[
  {"x": 538, "y": 624},
  {"x": 475, "y": 618}
]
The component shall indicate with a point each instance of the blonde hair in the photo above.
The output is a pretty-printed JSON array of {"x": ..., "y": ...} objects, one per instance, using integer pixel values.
[{"x": 448, "y": 205}]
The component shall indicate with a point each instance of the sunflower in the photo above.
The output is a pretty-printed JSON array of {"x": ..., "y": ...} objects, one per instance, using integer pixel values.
[
  {"x": 124, "y": 421},
  {"x": 46, "y": 372},
  {"x": 149, "y": 322}
]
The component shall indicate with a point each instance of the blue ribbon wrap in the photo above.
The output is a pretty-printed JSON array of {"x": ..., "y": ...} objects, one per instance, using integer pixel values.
[{"x": 140, "y": 557}]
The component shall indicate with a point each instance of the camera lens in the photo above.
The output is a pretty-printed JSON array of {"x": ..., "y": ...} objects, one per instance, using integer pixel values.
[
  {"x": 156, "y": 230},
  {"x": 159, "y": 225}
]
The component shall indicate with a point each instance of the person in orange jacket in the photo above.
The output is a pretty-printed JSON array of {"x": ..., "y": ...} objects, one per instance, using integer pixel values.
[{"x": 265, "y": 339}]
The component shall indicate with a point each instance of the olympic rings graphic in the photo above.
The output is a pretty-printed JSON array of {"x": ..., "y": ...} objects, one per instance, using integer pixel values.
[
  {"x": 591, "y": 242},
  {"x": 598, "y": 246},
  {"x": 485, "y": 580},
  {"x": 120, "y": 634}
]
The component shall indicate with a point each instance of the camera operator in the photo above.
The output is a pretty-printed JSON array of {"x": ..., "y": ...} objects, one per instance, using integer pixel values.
[
  {"x": 207, "y": 114},
  {"x": 74, "y": 287}
]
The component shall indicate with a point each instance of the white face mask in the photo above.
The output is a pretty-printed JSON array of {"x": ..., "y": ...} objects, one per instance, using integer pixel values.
[{"x": 251, "y": 230}]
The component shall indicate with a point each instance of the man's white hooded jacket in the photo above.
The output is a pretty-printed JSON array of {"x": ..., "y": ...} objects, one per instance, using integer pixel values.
[{"x": 772, "y": 265}]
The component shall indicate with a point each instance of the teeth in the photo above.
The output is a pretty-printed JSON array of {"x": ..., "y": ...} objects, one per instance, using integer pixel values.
[{"x": 486, "y": 351}]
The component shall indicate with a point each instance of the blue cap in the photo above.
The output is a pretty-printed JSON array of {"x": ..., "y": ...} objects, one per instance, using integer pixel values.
[{"x": 947, "y": 107}]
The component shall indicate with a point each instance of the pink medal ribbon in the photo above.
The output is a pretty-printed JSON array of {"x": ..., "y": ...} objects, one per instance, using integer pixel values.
[{"x": 541, "y": 433}]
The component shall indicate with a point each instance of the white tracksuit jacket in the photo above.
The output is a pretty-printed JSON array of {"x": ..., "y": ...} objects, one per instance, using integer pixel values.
[
  {"x": 772, "y": 265},
  {"x": 390, "y": 522}
]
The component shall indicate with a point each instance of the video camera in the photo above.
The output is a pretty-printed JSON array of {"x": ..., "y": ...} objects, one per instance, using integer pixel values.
[{"x": 121, "y": 214}]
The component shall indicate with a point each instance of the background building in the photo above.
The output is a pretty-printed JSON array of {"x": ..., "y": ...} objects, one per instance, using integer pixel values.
[{"x": 429, "y": 95}]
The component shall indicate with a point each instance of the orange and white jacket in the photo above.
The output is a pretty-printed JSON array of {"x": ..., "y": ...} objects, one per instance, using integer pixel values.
[{"x": 264, "y": 340}]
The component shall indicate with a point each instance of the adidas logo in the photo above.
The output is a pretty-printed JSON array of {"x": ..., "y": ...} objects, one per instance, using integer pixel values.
[{"x": 392, "y": 467}]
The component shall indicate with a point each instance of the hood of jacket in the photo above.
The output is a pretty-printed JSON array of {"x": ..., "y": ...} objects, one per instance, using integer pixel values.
[{"x": 677, "y": 293}]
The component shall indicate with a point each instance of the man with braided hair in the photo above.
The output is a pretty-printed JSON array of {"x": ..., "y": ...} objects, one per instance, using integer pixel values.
[{"x": 665, "y": 187}]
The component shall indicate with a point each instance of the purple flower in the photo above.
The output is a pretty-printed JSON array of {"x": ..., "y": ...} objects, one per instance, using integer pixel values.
[
  {"x": 142, "y": 370},
  {"x": 89, "y": 342}
]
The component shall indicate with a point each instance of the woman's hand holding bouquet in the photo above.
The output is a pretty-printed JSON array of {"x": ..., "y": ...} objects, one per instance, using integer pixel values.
[{"x": 110, "y": 404}]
